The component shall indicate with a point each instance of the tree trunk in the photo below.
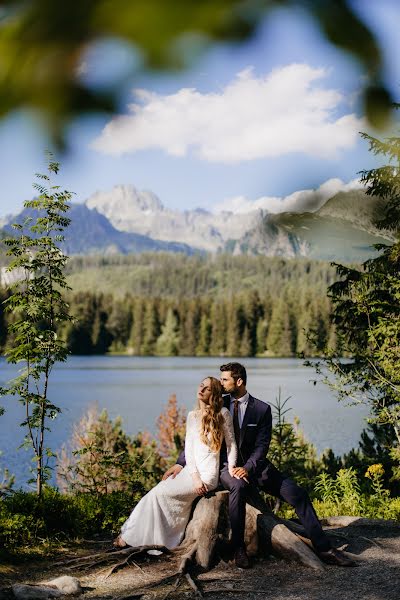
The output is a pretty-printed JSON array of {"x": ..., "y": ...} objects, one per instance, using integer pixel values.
[{"x": 208, "y": 532}]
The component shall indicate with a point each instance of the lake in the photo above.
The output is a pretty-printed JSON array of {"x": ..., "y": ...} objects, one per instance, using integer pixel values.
[{"x": 137, "y": 389}]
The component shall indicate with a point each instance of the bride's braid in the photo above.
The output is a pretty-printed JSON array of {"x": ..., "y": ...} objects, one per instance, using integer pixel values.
[{"x": 211, "y": 432}]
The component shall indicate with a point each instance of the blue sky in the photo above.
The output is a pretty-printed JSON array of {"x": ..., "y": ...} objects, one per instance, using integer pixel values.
[{"x": 246, "y": 123}]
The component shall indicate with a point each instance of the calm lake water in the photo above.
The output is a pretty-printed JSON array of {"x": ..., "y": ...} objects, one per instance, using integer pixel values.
[{"x": 137, "y": 388}]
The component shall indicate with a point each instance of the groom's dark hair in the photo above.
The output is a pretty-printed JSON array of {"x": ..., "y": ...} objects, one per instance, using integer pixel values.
[{"x": 237, "y": 370}]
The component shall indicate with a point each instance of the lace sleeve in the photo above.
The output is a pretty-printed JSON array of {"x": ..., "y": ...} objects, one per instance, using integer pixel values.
[
  {"x": 229, "y": 436},
  {"x": 191, "y": 431}
]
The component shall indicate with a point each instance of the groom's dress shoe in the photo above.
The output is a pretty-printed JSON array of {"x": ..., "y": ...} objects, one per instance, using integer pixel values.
[
  {"x": 337, "y": 557},
  {"x": 241, "y": 559}
]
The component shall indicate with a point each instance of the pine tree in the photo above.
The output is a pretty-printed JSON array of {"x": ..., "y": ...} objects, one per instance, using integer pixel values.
[
  {"x": 252, "y": 313},
  {"x": 119, "y": 324},
  {"x": 202, "y": 348},
  {"x": 234, "y": 328},
  {"x": 136, "y": 334},
  {"x": 189, "y": 333},
  {"x": 151, "y": 328},
  {"x": 168, "y": 342},
  {"x": 245, "y": 348},
  {"x": 279, "y": 339},
  {"x": 101, "y": 337},
  {"x": 366, "y": 307},
  {"x": 261, "y": 336},
  {"x": 78, "y": 335},
  {"x": 218, "y": 328}
]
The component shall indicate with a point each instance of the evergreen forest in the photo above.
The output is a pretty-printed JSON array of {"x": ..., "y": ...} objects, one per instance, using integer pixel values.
[{"x": 175, "y": 305}]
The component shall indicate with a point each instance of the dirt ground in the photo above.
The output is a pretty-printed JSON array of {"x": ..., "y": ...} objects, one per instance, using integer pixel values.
[{"x": 377, "y": 547}]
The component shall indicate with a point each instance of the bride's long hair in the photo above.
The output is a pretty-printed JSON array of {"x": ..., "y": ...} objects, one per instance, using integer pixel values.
[{"x": 211, "y": 428}]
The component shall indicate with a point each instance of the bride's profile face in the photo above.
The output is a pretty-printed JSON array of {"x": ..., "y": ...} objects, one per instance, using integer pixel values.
[{"x": 204, "y": 391}]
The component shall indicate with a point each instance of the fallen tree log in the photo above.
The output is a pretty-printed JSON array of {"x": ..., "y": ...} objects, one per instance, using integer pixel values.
[{"x": 208, "y": 531}]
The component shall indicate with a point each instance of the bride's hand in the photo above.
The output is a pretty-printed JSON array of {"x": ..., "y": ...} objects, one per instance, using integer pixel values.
[
  {"x": 172, "y": 472},
  {"x": 199, "y": 486},
  {"x": 231, "y": 471}
]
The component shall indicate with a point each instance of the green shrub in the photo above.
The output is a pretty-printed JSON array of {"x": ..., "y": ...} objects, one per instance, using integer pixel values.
[
  {"x": 341, "y": 495},
  {"x": 27, "y": 519},
  {"x": 102, "y": 458}
]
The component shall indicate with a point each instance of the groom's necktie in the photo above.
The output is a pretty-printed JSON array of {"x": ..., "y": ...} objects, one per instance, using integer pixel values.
[{"x": 236, "y": 426}]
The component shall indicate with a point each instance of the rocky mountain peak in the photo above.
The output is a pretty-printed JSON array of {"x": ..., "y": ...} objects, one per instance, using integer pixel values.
[
  {"x": 124, "y": 201},
  {"x": 141, "y": 212}
]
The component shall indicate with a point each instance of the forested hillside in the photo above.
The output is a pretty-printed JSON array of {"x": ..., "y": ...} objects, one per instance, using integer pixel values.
[
  {"x": 176, "y": 275},
  {"x": 166, "y": 304}
]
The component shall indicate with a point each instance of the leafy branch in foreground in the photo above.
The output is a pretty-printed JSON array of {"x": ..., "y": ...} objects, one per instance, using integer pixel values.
[
  {"x": 38, "y": 309},
  {"x": 366, "y": 308}
]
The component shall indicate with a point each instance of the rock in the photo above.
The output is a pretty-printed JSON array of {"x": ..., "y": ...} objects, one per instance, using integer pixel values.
[
  {"x": 61, "y": 586},
  {"x": 31, "y": 592},
  {"x": 70, "y": 586},
  {"x": 345, "y": 521}
]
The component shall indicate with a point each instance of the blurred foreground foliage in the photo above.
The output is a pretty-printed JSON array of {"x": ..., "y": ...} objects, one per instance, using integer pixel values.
[{"x": 45, "y": 47}]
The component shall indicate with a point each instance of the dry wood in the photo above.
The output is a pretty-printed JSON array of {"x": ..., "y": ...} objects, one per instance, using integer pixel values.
[
  {"x": 362, "y": 537},
  {"x": 285, "y": 543},
  {"x": 175, "y": 587},
  {"x": 120, "y": 565},
  {"x": 202, "y": 532},
  {"x": 101, "y": 558},
  {"x": 264, "y": 531},
  {"x": 193, "y": 585}
]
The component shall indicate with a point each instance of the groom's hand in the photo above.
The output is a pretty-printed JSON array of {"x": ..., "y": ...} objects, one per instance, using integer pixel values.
[
  {"x": 241, "y": 473},
  {"x": 172, "y": 472}
]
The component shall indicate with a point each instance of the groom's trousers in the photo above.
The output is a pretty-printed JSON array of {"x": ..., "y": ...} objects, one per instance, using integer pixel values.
[{"x": 276, "y": 484}]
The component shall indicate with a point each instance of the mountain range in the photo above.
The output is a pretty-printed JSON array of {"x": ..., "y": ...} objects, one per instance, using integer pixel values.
[{"x": 125, "y": 220}]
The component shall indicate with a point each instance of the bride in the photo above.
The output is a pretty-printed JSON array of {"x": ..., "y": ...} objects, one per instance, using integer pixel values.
[{"x": 161, "y": 516}]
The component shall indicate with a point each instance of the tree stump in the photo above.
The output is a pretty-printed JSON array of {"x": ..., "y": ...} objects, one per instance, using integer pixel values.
[{"x": 208, "y": 530}]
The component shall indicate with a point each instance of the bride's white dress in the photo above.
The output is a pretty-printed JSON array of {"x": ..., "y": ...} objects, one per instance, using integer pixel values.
[{"x": 162, "y": 514}]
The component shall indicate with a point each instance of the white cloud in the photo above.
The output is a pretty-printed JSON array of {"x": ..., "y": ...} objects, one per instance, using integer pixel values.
[
  {"x": 303, "y": 200},
  {"x": 252, "y": 117}
]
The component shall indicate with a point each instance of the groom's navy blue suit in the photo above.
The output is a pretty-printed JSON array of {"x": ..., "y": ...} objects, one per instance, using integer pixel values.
[{"x": 255, "y": 437}]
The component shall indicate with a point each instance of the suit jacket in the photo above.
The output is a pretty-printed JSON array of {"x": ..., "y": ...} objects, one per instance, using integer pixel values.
[{"x": 255, "y": 437}]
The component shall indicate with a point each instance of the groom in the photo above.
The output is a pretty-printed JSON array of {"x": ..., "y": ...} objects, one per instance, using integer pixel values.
[{"x": 252, "y": 423}]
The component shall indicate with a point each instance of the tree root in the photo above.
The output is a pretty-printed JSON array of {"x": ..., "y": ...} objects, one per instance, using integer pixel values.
[
  {"x": 193, "y": 585},
  {"x": 175, "y": 587},
  {"x": 208, "y": 533},
  {"x": 101, "y": 558},
  {"x": 377, "y": 544},
  {"x": 127, "y": 561}
]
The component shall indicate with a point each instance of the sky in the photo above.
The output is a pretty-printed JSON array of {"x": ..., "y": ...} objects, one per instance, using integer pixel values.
[{"x": 246, "y": 126}]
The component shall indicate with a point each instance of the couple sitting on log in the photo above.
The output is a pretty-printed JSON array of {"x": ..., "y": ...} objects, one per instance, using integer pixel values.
[{"x": 227, "y": 440}]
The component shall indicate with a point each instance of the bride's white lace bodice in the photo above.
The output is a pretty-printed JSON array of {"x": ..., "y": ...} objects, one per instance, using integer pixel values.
[{"x": 199, "y": 457}]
